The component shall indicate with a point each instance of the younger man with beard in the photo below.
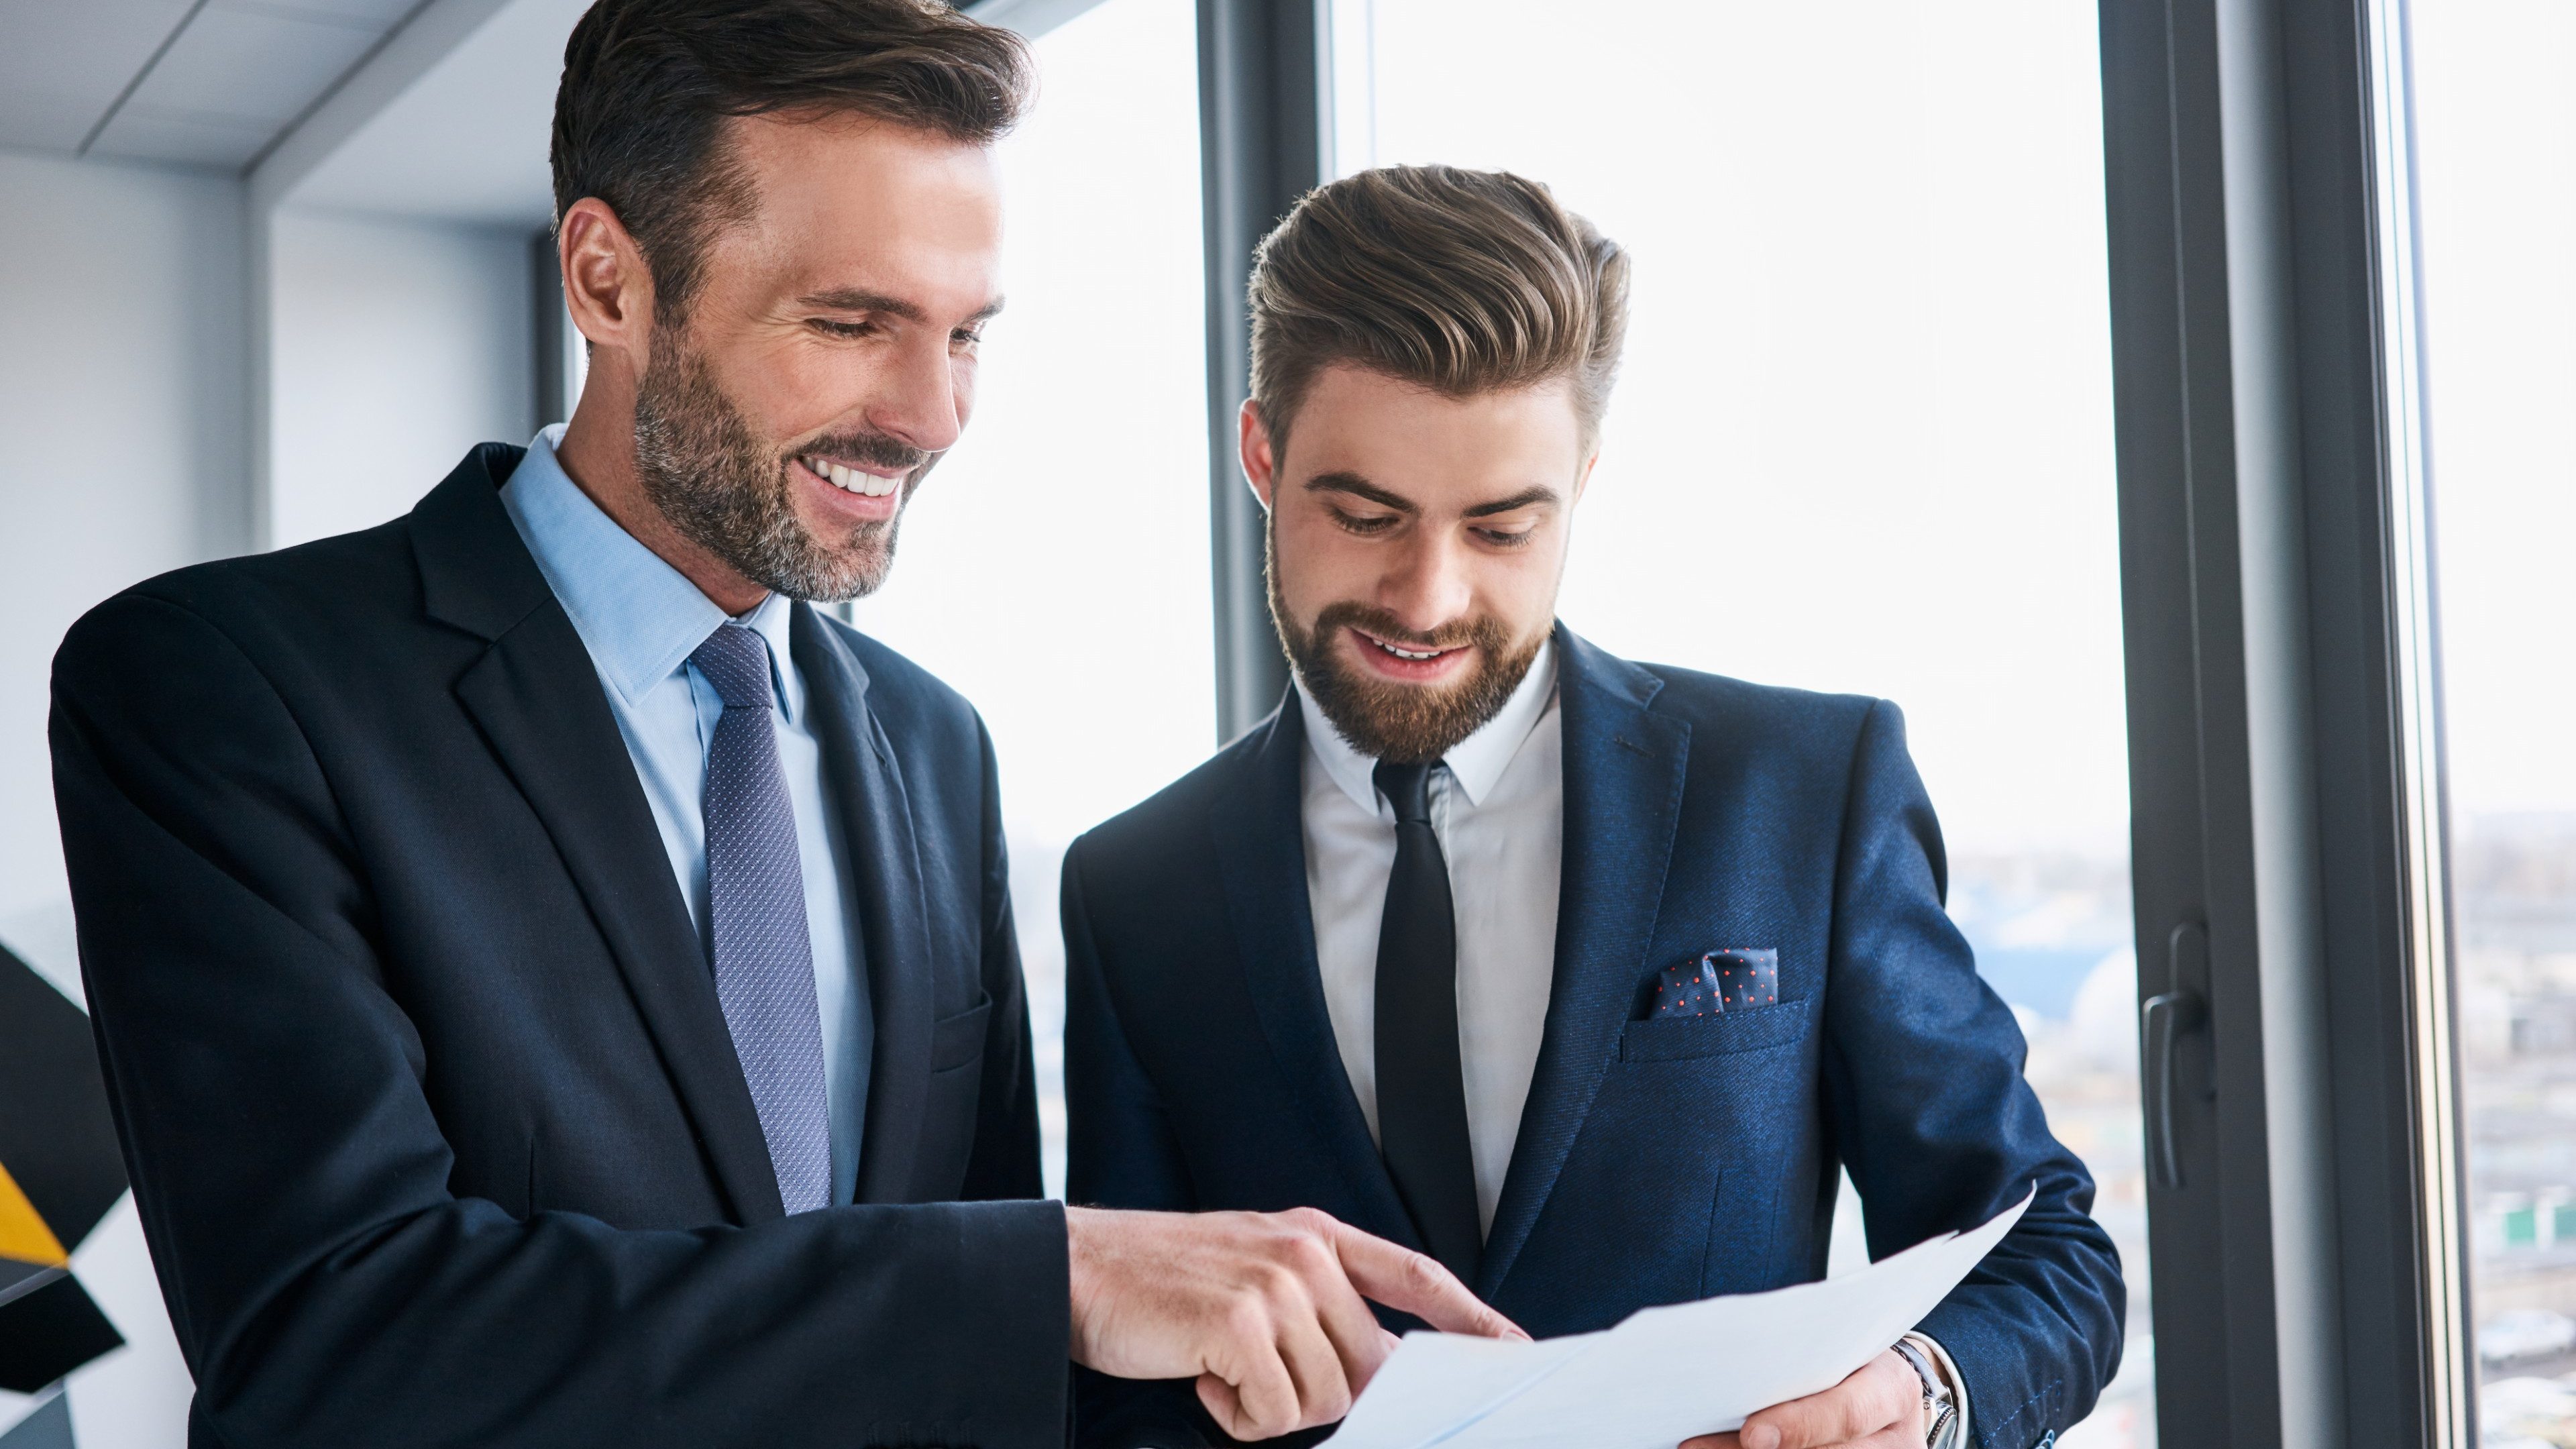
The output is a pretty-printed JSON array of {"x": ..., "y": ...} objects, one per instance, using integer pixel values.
[
  {"x": 1584, "y": 976},
  {"x": 558, "y": 988}
]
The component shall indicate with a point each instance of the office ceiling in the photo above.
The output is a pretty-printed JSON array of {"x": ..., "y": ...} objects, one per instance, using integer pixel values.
[
  {"x": 207, "y": 83},
  {"x": 443, "y": 106},
  {"x": 463, "y": 141}
]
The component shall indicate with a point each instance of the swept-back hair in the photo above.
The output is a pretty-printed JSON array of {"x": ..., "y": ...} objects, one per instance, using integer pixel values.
[{"x": 1459, "y": 281}]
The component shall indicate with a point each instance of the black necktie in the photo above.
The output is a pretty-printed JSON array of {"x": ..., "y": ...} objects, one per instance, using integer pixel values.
[{"x": 1421, "y": 1096}]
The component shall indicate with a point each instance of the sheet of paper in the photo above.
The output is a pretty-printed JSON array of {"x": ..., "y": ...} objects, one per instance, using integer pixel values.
[{"x": 1664, "y": 1374}]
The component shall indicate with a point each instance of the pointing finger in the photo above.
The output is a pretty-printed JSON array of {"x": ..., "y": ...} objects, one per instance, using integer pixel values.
[{"x": 1415, "y": 1283}]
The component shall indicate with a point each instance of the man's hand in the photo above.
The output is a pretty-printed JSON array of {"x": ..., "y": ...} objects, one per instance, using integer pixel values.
[
  {"x": 1264, "y": 1308},
  {"x": 1879, "y": 1407}
]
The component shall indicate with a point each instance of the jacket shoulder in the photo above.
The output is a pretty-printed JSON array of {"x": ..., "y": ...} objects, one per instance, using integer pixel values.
[
  {"x": 1766, "y": 716},
  {"x": 1171, "y": 818},
  {"x": 1732, "y": 702},
  {"x": 317, "y": 589}
]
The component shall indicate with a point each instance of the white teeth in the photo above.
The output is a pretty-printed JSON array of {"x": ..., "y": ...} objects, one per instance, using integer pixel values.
[
  {"x": 1405, "y": 653},
  {"x": 851, "y": 480}
]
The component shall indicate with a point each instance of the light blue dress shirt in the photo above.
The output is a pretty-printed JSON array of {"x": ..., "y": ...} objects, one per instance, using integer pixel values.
[{"x": 640, "y": 618}]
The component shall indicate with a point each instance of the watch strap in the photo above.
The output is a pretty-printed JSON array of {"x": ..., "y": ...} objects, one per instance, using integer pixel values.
[{"x": 1940, "y": 1410}]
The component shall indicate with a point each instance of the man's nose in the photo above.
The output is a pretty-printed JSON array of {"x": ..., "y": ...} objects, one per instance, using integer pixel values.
[
  {"x": 1428, "y": 587},
  {"x": 918, "y": 400}
]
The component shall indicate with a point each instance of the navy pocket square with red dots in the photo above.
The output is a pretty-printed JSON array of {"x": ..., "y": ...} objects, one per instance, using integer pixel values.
[{"x": 1733, "y": 978}]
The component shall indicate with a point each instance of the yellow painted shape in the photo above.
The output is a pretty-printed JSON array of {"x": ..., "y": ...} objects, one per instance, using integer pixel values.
[{"x": 23, "y": 1235}]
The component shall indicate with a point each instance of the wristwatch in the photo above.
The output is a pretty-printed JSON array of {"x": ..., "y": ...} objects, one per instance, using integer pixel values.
[{"x": 1940, "y": 1410}]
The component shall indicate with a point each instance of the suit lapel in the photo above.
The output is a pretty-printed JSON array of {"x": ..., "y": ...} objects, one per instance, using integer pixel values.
[
  {"x": 537, "y": 698},
  {"x": 1624, "y": 767},
  {"x": 1258, "y": 827},
  {"x": 876, "y": 818}
]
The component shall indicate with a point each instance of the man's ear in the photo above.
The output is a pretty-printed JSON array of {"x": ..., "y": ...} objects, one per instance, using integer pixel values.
[
  {"x": 1260, "y": 465},
  {"x": 607, "y": 288},
  {"x": 1583, "y": 475}
]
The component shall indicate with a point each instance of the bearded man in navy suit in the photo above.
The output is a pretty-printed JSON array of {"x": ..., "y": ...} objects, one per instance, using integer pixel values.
[{"x": 1586, "y": 977}]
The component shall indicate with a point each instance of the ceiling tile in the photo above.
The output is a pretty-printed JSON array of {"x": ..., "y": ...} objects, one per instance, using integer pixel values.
[
  {"x": 148, "y": 133},
  {"x": 380, "y": 15},
  {"x": 265, "y": 67},
  {"x": 64, "y": 63},
  {"x": 45, "y": 119}
]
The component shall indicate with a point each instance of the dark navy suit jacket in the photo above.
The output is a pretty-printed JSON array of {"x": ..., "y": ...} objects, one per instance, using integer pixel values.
[
  {"x": 434, "y": 1123},
  {"x": 1658, "y": 1160}
]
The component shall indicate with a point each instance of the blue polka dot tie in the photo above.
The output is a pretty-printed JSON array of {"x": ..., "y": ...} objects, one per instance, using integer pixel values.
[{"x": 756, "y": 929}]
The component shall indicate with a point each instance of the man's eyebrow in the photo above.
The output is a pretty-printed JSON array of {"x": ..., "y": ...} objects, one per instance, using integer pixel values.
[
  {"x": 856, "y": 299},
  {"x": 1535, "y": 494},
  {"x": 1357, "y": 486}
]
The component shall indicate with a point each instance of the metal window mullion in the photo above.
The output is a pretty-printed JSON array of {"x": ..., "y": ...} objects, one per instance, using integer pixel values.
[
  {"x": 1261, "y": 146},
  {"x": 2415, "y": 668}
]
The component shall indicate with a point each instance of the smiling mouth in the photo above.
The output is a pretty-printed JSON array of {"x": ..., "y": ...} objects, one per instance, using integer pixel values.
[
  {"x": 851, "y": 480},
  {"x": 1411, "y": 656}
]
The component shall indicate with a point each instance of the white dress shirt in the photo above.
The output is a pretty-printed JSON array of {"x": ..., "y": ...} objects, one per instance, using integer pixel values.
[
  {"x": 1499, "y": 810},
  {"x": 641, "y": 619}
]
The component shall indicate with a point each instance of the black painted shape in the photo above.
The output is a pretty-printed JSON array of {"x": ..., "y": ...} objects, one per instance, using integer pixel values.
[
  {"x": 49, "y": 1332},
  {"x": 56, "y": 1139}
]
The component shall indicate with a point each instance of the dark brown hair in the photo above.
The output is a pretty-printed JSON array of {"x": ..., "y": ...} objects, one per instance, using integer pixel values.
[
  {"x": 648, "y": 85},
  {"x": 1459, "y": 281}
]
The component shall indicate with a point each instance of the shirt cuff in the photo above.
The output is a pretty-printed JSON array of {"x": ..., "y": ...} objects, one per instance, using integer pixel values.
[{"x": 1949, "y": 1371}]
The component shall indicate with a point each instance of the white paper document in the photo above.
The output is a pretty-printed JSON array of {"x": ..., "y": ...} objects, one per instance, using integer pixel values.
[{"x": 1664, "y": 1374}]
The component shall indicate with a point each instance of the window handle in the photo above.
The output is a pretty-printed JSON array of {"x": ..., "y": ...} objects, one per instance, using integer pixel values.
[{"x": 2166, "y": 1018}]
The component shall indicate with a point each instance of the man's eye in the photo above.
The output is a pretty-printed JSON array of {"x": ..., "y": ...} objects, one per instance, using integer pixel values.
[
  {"x": 1507, "y": 537},
  {"x": 1369, "y": 523},
  {"x": 832, "y": 326},
  {"x": 965, "y": 340}
]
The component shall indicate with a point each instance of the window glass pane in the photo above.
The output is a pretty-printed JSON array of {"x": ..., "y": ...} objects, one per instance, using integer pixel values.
[
  {"x": 1863, "y": 437},
  {"x": 1054, "y": 567},
  {"x": 2496, "y": 152}
]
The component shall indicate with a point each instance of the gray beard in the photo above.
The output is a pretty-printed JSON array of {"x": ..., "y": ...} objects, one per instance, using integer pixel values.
[{"x": 724, "y": 490}]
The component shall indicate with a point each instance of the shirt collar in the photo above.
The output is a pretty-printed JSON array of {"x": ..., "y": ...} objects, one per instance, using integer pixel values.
[
  {"x": 1476, "y": 762},
  {"x": 640, "y": 618}
]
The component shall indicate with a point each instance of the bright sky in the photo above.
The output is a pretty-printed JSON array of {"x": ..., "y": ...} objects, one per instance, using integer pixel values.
[
  {"x": 2496, "y": 152},
  {"x": 1863, "y": 437}
]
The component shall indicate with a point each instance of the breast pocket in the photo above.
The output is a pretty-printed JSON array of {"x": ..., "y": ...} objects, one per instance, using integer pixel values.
[
  {"x": 958, "y": 1041},
  {"x": 1682, "y": 1038}
]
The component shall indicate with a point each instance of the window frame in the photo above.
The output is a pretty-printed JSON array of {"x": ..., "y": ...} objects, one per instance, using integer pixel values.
[{"x": 2284, "y": 730}]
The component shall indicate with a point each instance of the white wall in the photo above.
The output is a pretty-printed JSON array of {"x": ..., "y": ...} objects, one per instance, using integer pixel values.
[
  {"x": 123, "y": 453},
  {"x": 396, "y": 346},
  {"x": 122, "y": 433}
]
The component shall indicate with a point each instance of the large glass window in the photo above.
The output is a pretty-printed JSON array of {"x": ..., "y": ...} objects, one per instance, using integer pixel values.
[
  {"x": 1054, "y": 567},
  {"x": 2496, "y": 139},
  {"x": 1863, "y": 437}
]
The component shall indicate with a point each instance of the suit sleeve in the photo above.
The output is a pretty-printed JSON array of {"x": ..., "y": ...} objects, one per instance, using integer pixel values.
[
  {"x": 1120, "y": 1153},
  {"x": 1940, "y": 1131},
  {"x": 273, "y": 1101},
  {"x": 1005, "y": 1160}
]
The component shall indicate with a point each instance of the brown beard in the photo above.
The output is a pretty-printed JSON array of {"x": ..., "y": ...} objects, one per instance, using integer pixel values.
[
  {"x": 731, "y": 493},
  {"x": 1406, "y": 723}
]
